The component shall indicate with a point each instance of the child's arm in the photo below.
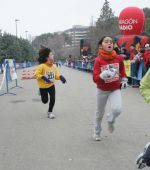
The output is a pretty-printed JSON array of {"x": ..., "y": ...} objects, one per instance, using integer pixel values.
[
  {"x": 58, "y": 76},
  {"x": 96, "y": 71},
  {"x": 124, "y": 80},
  {"x": 39, "y": 72}
]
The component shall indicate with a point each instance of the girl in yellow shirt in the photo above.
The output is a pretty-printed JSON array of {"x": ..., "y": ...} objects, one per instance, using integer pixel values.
[{"x": 46, "y": 74}]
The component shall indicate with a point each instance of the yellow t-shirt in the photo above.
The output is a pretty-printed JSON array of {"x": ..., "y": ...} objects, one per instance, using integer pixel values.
[{"x": 50, "y": 72}]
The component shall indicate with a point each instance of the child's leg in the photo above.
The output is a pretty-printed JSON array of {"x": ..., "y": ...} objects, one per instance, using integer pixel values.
[
  {"x": 115, "y": 104},
  {"x": 44, "y": 95},
  {"x": 101, "y": 103},
  {"x": 51, "y": 92}
]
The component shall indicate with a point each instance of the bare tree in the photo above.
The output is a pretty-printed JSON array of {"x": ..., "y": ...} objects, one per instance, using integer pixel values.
[{"x": 57, "y": 43}]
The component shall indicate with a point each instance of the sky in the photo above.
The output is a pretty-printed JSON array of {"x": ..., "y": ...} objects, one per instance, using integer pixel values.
[{"x": 47, "y": 16}]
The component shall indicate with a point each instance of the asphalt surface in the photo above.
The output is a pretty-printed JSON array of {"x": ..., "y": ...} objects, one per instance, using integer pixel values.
[{"x": 31, "y": 141}]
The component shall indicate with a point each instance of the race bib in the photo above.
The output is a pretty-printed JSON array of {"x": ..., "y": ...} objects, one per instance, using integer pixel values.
[
  {"x": 50, "y": 75},
  {"x": 111, "y": 67}
]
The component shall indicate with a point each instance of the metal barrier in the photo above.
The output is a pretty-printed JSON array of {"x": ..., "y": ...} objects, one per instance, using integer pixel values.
[
  {"x": 135, "y": 71},
  {"x": 25, "y": 65},
  {"x": 81, "y": 65}
]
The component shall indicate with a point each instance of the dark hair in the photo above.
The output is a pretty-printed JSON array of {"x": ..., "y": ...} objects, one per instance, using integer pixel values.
[
  {"x": 124, "y": 49},
  {"x": 133, "y": 45},
  {"x": 102, "y": 39},
  {"x": 117, "y": 50},
  {"x": 43, "y": 54},
  {"x": 135, "y": 52},
  {"x": 142, "y": 50}
]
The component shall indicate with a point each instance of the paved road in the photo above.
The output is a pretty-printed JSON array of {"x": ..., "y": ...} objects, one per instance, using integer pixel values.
[{"x": 30, "y": 141}]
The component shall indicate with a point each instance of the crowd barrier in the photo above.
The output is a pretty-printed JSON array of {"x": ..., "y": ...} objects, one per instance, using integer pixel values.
[
  {"x": 25, "y": 65},
  {"x": 134, "y": 72},
  {"x": 9, "y": 75},
  {"x": 81, "y": 65},
  {"x": 2, "y": 76}
]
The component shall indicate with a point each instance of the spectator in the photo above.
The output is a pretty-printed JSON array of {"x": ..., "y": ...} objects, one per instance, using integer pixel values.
[
  {"x": 137, "y": 60},
  {"x": 132, "y": 51},
  {"x": 146, "y": 57},
  {"x": 117, "y": 50},
  {"x": 124, "y": 54}
]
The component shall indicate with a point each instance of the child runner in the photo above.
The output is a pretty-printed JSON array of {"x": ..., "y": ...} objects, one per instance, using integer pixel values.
[
  {"x": 108, "y": 72},
  {"x": 46, "y": 74},
  {"x": 145, "y": 87},
  {"x": 143, "y": 159}
]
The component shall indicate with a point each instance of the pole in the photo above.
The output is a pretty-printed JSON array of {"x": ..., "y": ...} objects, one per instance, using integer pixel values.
[{"x": 16, "y": 20}]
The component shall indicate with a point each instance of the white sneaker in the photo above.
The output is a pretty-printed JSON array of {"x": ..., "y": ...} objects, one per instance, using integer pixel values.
[
  {"x": 97, "y": 137},
  {"x": 111, "y": 127},
  {"x": 51, "y": 115}
]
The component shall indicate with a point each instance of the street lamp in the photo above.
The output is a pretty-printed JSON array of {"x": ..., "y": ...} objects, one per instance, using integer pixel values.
[
  {"x": 16, "y": 20},
  {"x": 26, "y": 34}
]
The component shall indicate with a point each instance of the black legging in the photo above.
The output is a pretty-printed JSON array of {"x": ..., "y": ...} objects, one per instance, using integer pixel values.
[{"x": 44, "y": 96}]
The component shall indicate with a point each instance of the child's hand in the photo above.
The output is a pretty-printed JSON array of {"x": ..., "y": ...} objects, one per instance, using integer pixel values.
[
  {"x": 113, "y": 72},
  {"x": 45, "y": 79},
  {"x": 63, "y": 80},
  {"x": 108, "y": 73},
  {"x": 104, "y": 74},
  {"x": 124, "y": 83}
]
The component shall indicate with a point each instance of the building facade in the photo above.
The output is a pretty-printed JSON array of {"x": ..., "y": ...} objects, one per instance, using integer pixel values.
[{"x": 76, "y": 33}]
